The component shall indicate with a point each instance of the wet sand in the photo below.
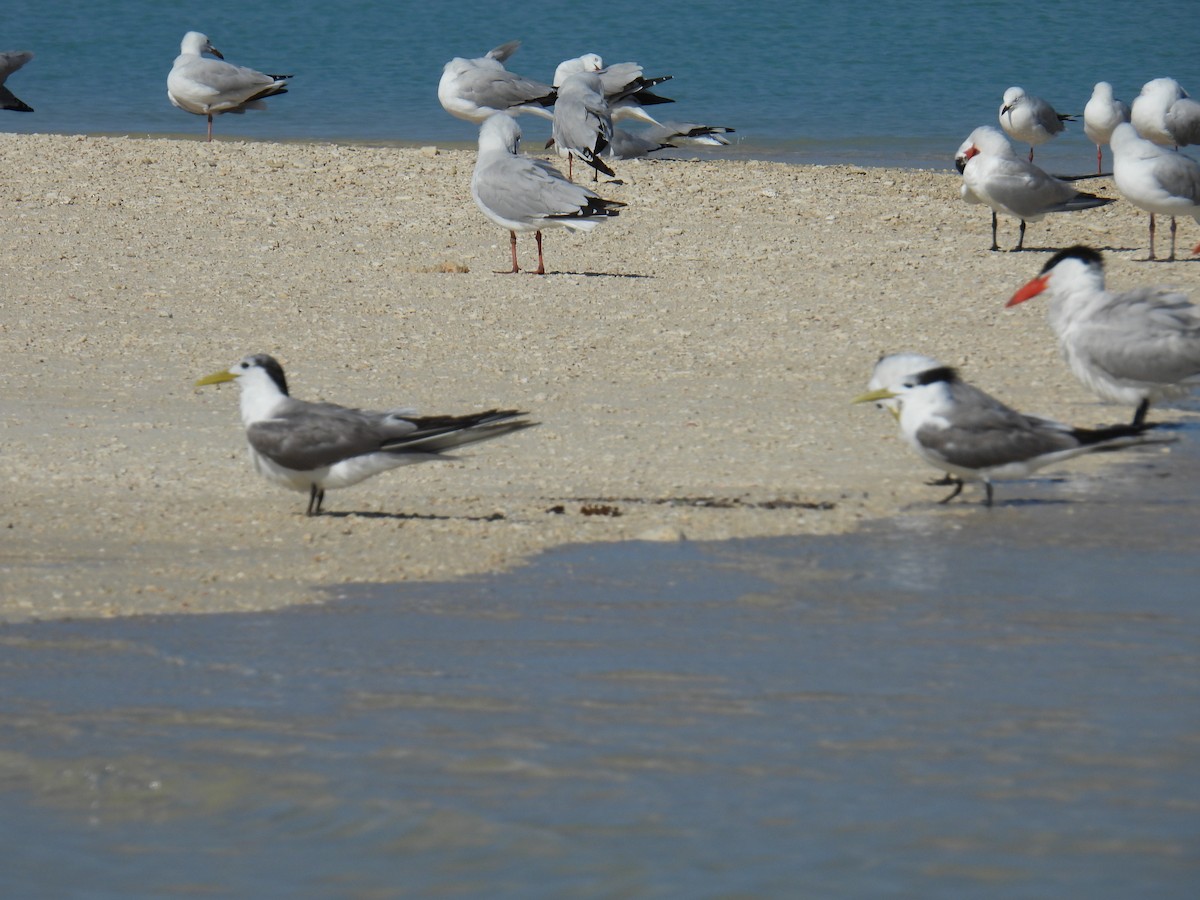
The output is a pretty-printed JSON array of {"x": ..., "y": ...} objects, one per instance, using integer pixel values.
[{"x": 691, "y": 361}]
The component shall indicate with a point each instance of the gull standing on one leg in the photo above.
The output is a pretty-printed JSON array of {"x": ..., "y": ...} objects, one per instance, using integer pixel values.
[
  {"x": 209, "y": 87},
  {"x": 1103, "y": 113},
  {"x": 1030, "y": 119}
]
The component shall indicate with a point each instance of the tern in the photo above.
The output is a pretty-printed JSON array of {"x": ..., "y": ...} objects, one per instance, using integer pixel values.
[
  {"x": 1165, "y": 114},
  {"x": 1030, "y": 119},
  {"x": 1103, "y": 113},
  {"x": 10, "y": 61},
  {"x": 522, "y": 193},
  {"x": 474, "y": 89},
  {"x": 994, "y": 175},
  {"x": 317, "y": 447},
  {"x": 957, "y": 428},
  {"x": 1156, "y": 179},
  {"x": 1132, "y": 347},
  {"x": 209, "y": 87}
]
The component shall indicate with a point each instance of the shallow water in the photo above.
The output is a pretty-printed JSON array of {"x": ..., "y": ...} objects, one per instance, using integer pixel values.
[{"x": 960, "y": 702}]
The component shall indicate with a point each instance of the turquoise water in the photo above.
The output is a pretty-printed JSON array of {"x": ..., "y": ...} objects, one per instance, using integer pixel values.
[{"x": 883, "y": 83}]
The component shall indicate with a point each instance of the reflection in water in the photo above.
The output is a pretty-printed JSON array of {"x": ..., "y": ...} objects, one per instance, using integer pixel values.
[{"x": 960, "y": 703}]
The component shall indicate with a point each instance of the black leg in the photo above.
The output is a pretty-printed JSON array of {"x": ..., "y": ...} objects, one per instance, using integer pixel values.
[
  {"x": 1172, "y": 256},
  {"x": 995, "y": 246},
  {"x": 1151, "y": 256},
  {"x": 958, "y": 486},
  {"x": 987, "y": 501},
  {"x": 316, "y": 496},
  {"x": 1139, "y": 417},
  {"x": 1021, "y": 239}
]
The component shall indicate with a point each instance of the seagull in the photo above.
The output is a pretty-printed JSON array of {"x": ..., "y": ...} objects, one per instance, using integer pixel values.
[
  {"x": 1102, "y": 114},
  {"x": 316, "y": 447},
  {"x": 209, "y": 87},
  {"x": 623, "y": 85},
  {"x": 634, "y": 145},
  {"x": 582, "y": 122},
  {"x": 1165, "y": 114},
  {"x": 1132, "y": 347},
  {"x": 10, "y": 61},
  {"x": 1030, "y": 119},
  {"x": 474, "y": 89},
  {"x": 521, "y": 193},
  {"x": 957, "y": 428},
  {"x": 994, "y": 175},
  {"x": 1156, "y": 179}
]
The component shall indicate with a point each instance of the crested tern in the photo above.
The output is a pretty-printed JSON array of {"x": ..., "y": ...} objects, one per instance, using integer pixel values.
[
  {"x": 316, "y": 447},
  {"x": 957, "y": 428}
]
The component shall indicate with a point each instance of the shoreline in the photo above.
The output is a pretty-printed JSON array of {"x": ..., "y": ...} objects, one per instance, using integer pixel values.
[{"x": 692, "y": 362}]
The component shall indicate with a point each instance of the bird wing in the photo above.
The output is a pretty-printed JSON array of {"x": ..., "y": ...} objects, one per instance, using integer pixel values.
[
  {"x": 497, "y": 88},
  {"x": 1183, "y": 121},
  {"x": 1150, "y": 335},
  {"x": 304, "y": 436},
  {"x": 1016, "y": 186},
  {"x": 525, "y": 189},
  {"x": 985, "y": 433}
]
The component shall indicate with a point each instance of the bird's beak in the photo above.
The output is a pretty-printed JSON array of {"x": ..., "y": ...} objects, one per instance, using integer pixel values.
[
  {"x": 1005, "y": 109},
  {"x": 1032, "y": 289},
  {"x": 960, "y": 163},
  {"x": 216, "y": 378},
  {"x": 875, "y": 396},
  {"x": 215, "y": 52}
]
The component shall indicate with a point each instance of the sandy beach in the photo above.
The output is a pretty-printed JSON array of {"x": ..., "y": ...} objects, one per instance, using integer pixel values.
[{"x": 691, "y": 361}]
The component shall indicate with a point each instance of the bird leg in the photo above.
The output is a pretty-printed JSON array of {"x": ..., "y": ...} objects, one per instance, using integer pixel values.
[
  {"x": 512, "y": 239},
  {"x": 1151, "y": 256},
  {"x": 1021, "y": 239},
  {"x": 1099, "y": 160},
  {"x": 958, "y": 486},
  {"x": 541, "y": 269},
  {"x": 1172, "y": 256},
  {"x": 1139, "y": 416},
  {"x": 1031, "y": 152},
  {"x": 315, "y": 497},
  {"x": 995, "y": 246},
  {"x": 987, "y": 501},
  {"x": 210, "y": 127}
]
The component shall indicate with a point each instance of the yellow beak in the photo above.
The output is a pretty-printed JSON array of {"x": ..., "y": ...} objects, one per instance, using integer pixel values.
[
  {"x": 875, "y": 396},
  {"x": 216, "y": 378}
]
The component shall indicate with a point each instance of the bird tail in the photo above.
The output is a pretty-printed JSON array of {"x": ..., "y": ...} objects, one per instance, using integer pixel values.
[
  {"x": 437, "y": 434},
  {"x": 1115, "y": 437},
  {"x": 1083, "y": 201}
]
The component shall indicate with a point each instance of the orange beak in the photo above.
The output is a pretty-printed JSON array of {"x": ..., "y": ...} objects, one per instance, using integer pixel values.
[{"x": 1032, "y": 289}]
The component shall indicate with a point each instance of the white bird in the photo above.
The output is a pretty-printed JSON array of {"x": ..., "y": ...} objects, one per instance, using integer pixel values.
[
  {"x": 209, "y": 87},
  {"x": 957, "y": 428},
  {"x": 994, "y": 175},
  {"x": 1103, "y": 113},
  {"x": 522, "y": 193},
  {"x": 624, "y": 85},
  {"x": 634, "y": 145},
  {"x": 317, "y": 447},
  {"x": 474, "y": 89},
  {"x": 1165, "y": 114},
  {"x": 10, "y": 61},
  {"x": 583, "y": 124},
  {"x": 1030, "y": 119},
  {"x": 1132, "y": 347},
  {"x": 1156, "y": 179},
  {"x": 892, "y": 369}
]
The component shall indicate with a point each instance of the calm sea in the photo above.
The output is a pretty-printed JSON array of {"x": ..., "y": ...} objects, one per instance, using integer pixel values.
[{"x": 873, "y": 84}]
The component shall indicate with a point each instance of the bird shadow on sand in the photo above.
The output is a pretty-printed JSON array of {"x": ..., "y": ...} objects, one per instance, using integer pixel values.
[
  {"x": 602, "y": 274},
  {"x": 431, "y": 517}
]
